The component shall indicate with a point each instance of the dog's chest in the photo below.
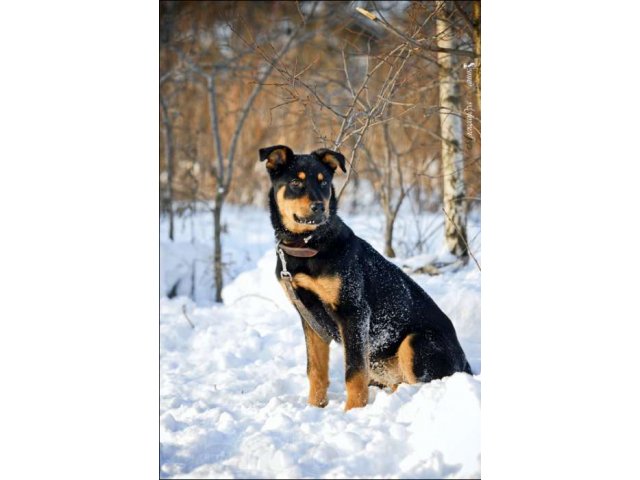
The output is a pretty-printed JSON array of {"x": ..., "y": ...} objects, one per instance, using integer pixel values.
[{"x": 326, "y": 286}]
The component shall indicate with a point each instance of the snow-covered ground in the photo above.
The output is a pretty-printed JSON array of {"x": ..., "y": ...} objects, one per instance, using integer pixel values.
[{"x": 233, "y": 387}]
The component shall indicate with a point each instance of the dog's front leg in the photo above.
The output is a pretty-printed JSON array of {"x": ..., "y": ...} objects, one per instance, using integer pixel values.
[
  {"x": 317, "y": 366},
  {"x": 354, "y": 329}
]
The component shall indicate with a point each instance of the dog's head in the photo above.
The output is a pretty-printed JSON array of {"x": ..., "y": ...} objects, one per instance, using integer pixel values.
[{"x": 302, "y": 187}]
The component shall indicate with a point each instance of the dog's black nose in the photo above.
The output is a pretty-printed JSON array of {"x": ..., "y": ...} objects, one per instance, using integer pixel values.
[{"x": 317, "y": 207}]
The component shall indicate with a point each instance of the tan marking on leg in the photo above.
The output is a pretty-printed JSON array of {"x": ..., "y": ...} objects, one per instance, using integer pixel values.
[
  {"x": 288, "y": 206},
  {"x": 405, "y": 360},
  {"x": 326, "y": 288},
  {"x": 357, "y": 390},
  {"x": 317, "y": 363},
  {"x": 317, "y": 367},
  {"x": 302, "y": 175}
]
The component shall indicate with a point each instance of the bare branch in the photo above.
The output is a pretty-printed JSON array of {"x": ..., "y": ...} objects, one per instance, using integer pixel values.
[
  {"x": 271, "y": 64},
  {"x": 430, "y": 48},
  {"x": 467, "y": 20},
  {"x": 218, "y": 172},
  {"x": 184, "y": 312}
]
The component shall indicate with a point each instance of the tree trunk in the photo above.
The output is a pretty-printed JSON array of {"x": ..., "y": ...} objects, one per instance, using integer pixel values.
[
  {"x": 388, "y": 236},
  {"x": 217, "y": 246},
  {"x": 387, "y": 190},
  {"x": 168, "y": 153},
  {"x": 218, "y": 172},
  {"x": 476, "y": 49},
  {"x": 451, "y": 143},
  {"x": 224, "y": 173}
]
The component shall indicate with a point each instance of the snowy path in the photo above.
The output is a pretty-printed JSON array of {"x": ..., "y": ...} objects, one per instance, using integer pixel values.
[{"x": 233, "y": 394}]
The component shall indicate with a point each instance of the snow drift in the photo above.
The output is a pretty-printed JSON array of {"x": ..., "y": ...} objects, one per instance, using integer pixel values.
[{"x": 233, "y": 387}]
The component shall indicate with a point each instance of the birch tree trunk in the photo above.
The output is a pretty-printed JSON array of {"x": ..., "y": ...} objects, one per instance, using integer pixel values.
[{"x": 451, "y": 141}]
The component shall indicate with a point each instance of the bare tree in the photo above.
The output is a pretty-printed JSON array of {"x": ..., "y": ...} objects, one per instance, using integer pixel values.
[
  {"x": 448, "y": 51},
  {"x": 390, "y": 181},
  {"x": 358, "y": 107},
  {"x": 451, "y": 133},
  {"x": 365, "y": 83},
  {"x": 167, "y": 119},
  {"x": 222, "y": 166},
  {"x": 169, "y": 148}
]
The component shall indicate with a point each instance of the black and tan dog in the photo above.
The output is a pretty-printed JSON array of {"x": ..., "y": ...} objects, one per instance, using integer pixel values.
[{"x": 391, "y": 330}]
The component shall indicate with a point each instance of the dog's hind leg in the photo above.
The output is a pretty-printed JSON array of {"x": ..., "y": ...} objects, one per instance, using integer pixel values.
[
  {"x": 406, "y": 360},
  {"x": 426, "y": 356}
]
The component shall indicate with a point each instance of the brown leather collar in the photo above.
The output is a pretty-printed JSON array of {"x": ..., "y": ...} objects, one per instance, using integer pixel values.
[{"x": 304, "y": 252}]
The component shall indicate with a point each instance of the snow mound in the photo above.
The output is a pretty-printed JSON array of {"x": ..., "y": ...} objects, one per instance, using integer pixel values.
[{"x": 233, "y": 394}]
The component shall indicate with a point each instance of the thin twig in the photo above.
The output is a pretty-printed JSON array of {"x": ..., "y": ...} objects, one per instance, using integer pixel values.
[
  {"x": 184, "y": 312},
  {"x": 463, "y": 239},
  {"x": 429, "y": 48},
  {"x": 249, "y": 295}
]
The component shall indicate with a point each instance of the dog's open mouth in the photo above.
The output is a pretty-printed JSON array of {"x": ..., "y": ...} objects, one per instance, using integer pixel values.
[{"x": 313, "y": 220}]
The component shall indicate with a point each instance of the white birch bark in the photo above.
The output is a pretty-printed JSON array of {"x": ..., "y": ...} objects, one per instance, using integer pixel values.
[{"x": 451, "y": 144}]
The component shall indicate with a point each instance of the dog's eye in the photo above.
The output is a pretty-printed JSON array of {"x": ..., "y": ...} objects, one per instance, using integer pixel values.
[
  {"x": 295, "y": 183},
  {"x": 324, "y": 183}
]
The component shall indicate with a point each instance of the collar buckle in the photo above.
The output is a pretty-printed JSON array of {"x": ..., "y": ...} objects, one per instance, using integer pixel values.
[{"x": 284, "y": 273}]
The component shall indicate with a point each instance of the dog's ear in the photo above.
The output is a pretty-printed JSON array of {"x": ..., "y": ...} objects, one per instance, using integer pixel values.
[
  {"x": 276, "y": 156},
  {"x": 330, "y": 158}
]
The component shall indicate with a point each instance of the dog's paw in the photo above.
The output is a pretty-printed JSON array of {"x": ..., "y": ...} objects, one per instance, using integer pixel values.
[
  {"x": 317, "y": 399},
  {"x": 356, "y": 401},
  {"x": 321, "y": 403}
]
